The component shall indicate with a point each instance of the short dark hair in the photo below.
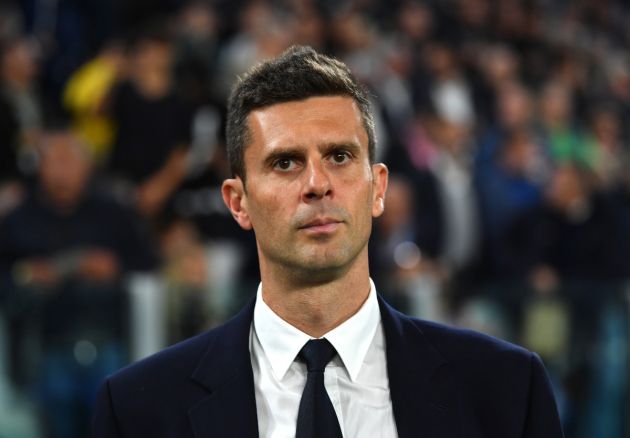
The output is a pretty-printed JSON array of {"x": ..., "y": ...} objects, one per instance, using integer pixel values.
[{"x": 299, "y": 73}]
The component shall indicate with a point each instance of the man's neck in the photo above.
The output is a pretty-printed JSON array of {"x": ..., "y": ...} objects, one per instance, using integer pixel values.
[{"x": 316, "y": 309}]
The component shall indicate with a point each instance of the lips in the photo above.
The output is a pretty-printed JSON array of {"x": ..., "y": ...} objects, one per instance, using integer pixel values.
[{"x": 321, "y": 225}]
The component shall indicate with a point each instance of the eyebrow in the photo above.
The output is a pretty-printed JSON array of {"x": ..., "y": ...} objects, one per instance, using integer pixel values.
[
  {"x": 351, "y": 147},
  {"x": 283, "y": 153}
]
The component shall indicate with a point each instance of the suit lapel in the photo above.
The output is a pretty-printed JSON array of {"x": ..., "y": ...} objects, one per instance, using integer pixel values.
[
  {"x": 423, "y": 392},
  {"x": 225, "y": 371}
]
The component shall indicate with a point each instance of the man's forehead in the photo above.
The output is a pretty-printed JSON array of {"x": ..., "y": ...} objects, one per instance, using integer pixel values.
[{"x": 338, "y": 118}]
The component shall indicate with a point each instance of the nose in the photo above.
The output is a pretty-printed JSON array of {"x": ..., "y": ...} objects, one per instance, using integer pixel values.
[{"x": 317, "y": 184}]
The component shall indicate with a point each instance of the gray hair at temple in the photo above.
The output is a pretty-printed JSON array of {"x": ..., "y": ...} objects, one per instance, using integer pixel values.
[{"x": 298, "y": 74}]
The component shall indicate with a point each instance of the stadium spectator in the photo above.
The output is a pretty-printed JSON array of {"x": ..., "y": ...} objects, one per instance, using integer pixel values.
[
  {"x": 152, "y": 124},
  {"x": 64, "y": 252}
]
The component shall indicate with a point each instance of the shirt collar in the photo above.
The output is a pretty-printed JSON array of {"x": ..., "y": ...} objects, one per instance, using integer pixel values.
[{"x": 281, "y": 342}]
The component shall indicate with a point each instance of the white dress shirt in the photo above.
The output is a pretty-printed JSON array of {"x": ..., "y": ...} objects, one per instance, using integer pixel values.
[{"x": 356, "y": 379}]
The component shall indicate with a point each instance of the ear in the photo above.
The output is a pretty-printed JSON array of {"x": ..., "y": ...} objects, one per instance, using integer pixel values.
[
  {"x": 235, "y": 199},
  {"x": 380, "y": 174}
]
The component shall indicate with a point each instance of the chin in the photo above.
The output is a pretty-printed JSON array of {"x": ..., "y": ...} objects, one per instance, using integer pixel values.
[{"x": 330, "y": 262}]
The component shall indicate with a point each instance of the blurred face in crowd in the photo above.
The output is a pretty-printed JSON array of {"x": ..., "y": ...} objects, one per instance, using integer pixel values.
[
  {"x": 310, "y": 191},
  {"x": 18, "y": 64},
  {"x": 64, "y": 170},
  {"x": 499, "y": 64},
  {"x": 309, "y": 29},
  {"x": 448, "y": 135},
  {"x": 151, "y": 62},
  {"x": 606, "y": 127},
  {"x": 567, "y": 187},
  {"x": 518, "y": 153},
  {"x": 556, "y": 105},
  {"x": 351, "y": 32},
  {"x": 514, "y": 105},
  {"x": 198, "y": 21},
  {"x": 415, "y": 20},
  {"x": 441, "y": 61},
  {"x": 474, "y": 13},
  {"x": 152, "y": 55},
  {"x": 271, "y": 33}
]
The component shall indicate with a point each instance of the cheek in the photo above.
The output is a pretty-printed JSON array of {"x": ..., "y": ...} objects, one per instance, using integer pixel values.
[
  {"x": 363, "y": 206},
  {"x": 267, "y": 213}
]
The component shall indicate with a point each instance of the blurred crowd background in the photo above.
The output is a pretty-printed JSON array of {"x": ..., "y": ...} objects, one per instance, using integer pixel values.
[{"x": 505, "y": 125}]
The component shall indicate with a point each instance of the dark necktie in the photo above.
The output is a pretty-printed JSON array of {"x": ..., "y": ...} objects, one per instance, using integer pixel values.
[{"x": 316, "y": 417}]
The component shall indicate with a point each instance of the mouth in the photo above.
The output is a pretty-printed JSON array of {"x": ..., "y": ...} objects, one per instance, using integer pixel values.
[{"x": 321, "y": 225}]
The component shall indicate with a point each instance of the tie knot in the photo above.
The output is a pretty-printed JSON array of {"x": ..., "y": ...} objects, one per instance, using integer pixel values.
[{"x": 316, "y": 353}]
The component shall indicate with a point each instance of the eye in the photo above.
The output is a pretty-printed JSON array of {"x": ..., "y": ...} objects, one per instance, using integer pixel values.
[
  {"x": 284, "y": 164},
  {"x": 340, "y": 157}
]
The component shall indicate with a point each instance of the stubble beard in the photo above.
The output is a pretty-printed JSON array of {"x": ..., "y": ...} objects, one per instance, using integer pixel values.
[{"x": 311, "y": 265}]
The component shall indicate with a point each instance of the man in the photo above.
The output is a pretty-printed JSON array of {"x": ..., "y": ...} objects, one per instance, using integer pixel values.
[
  {"x": 64, "y": 252},
  {"x": 152, "y": 124},
  {"x": 301, "y": 146}
]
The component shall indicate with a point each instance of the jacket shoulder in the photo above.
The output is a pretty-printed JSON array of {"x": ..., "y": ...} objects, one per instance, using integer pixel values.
[
  {"x": 155, "y": 394},
  {"x": 506, "y": 385},
  {"x": 151, "y": 394},
  {"x": 460, "y": 344},
  {"x": 179, "y": 361},
  {"x": 486, "y": 369},
  {"x": 175, "y": 360}
]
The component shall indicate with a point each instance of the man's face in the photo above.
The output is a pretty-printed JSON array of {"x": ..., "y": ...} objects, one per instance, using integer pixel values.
[
  {"x": 310, "y": 191},
  {"x": 64, "y": 170}
]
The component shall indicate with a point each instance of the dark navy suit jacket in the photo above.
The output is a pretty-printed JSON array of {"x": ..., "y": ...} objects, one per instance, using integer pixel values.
[{"x": 444, "y": 383}]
